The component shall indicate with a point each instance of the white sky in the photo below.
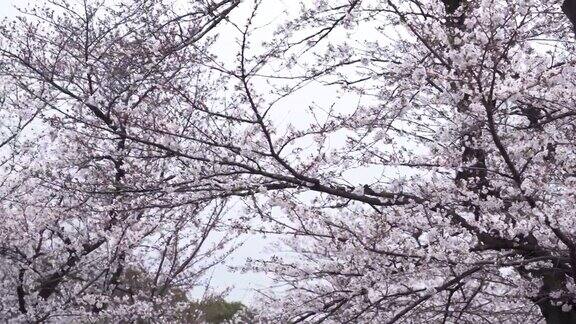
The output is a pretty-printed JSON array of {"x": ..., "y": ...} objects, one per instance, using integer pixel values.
[{"x": 7, "y": 6}]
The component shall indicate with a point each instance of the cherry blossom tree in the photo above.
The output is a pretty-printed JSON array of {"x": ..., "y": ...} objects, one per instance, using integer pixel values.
[
  {"x": 85, "y": 209},
  {"x": 466, "y": 113},
  {"x": 128, "y": 134}
]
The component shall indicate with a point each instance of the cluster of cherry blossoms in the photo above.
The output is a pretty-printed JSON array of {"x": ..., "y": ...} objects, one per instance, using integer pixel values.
[{"x": 415, "y": 158}]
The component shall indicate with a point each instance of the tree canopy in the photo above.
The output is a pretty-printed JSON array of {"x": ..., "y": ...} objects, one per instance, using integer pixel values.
[{"x": 416, "y": 157}]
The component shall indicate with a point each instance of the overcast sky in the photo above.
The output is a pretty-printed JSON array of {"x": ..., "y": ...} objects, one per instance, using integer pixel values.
[{"x": 7, "y": 6}]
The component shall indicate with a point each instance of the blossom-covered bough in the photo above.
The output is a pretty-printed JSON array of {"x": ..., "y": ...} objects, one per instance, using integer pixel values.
[
  {"x": 459, "y": 113},
  {"x": 91, "y": 225}
]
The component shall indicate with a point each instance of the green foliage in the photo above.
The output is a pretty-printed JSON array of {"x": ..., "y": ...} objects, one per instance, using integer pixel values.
[
  {"x": 212, "y": 309},
  {"x": 216, "y": 310}
]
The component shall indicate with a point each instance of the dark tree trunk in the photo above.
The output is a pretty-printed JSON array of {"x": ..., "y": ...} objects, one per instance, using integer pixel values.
[
  {"x": 451, "y": 5},
  {"x": 569, "y": 9},
  {"x": 555, "y": 314},
  {"x": 553, "y": 281}
]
